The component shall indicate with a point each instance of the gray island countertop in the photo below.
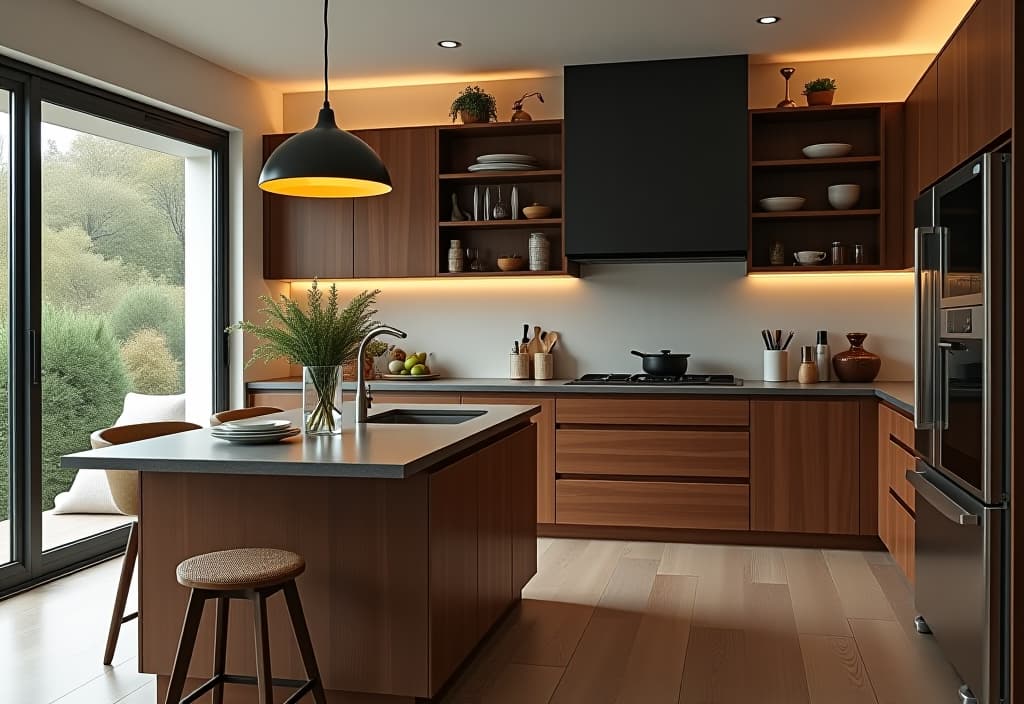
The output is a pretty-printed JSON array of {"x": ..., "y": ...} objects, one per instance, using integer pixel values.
[
  {"x": 899, "y": 394},
  {"x": 377, "y": 451}
]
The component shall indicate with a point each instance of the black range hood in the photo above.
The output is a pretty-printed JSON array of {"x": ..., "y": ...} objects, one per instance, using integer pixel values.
[{"x": 656, "y": 160}]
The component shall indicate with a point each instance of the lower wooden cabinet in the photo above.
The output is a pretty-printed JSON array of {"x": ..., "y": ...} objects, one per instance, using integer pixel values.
[
  {"x": 285, "y": 400},
  {"x": 805, "y": 466},
  {"x": 653, "y": 504},
  {"x": 896, "y": 497},
  {"x": 653, "y": 453}
]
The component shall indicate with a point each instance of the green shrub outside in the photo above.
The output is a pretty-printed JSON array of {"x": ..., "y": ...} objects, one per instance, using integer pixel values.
[
  {"x": 160, "y": 308},
  {"x": 83, "y": 388},
  {"x": 150, "y": 365}
]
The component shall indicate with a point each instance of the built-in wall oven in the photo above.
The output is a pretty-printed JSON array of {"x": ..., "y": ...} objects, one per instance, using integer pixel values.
[{"x": 960, "y": 419}]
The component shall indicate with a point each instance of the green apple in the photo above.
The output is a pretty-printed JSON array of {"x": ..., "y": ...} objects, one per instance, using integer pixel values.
[
  {"x": 396, "y": 366},
  {"x": 418, "y": 370},
  {"x": 404, "y": 371},
  {"x": 411, "y": 361}
]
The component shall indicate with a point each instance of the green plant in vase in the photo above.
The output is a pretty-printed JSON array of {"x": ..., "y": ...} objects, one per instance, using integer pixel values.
[
  {"x": 820, "y": 91},
  {"x": 473, "y": 104},
  {"x": 321, "y": 336}
]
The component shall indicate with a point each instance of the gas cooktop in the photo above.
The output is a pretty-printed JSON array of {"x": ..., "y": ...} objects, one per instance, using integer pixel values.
[{"x": 652, "y": 380}]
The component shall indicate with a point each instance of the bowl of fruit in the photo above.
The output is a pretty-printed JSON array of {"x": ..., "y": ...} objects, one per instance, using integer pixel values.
[{"x": 409, "y": 367}]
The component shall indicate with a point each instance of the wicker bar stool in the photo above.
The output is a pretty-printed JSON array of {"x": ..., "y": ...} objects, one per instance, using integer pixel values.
[{"x": 246, "y": 573}]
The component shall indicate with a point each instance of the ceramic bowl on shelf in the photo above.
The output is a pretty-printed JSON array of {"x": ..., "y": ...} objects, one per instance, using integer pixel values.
[
  {"x": 843, "y": 196},
  {"x": 829, "y": 150},
  {"x": 781, "y": 204},
  {"x": 510, "y": 263},
  {"x": 537, "y": 211},
  {"x": 809, "y": 257}
]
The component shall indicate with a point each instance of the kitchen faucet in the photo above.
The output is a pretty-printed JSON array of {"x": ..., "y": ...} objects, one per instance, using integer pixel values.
[{"x": 363, "y": 397}]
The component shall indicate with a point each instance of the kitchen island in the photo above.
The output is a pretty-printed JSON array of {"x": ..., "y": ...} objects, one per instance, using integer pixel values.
[{"x": 418, "y": 538}]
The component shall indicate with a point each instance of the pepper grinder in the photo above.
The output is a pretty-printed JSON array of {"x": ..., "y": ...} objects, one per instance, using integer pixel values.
[
  {"x": 823, "y": 357},
  {"x": 808, "y": 371}
]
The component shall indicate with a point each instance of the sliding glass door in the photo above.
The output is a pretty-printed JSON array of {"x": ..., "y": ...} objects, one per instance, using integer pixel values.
[
  {"x": 113, "y": 308},
  {"x": 7, "y": 537}
]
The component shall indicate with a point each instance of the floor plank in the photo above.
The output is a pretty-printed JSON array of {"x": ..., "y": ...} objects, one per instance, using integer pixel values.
[
  {"x": 645, "y": 551},
  {"x": 901, "y": 670},
  {"x": 655, "y": 667},
  {"x": 715, "y": 669},
  {"x": 899, "y": 594},
  {"x": 816, "y": 603},
  {"x": 595, "y": 673},
  {"x": 835, "y": 673},
  {"x": 775, "y": 667},
  {"x": 769, "y": 566},
  {"x": 859, "y": 591},
  {"x": 724, "y": 573},
  {"x": 520, "y": 684}
]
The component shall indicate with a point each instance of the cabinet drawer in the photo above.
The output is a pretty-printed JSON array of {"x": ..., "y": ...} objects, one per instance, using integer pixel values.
[
  {"x": 653, "y": 411},
  {"x": 285, "y": 400},
  {"x": 653, "y": 504},
  {"x": 414, "y": 397},
  {"x": 899, "y": 461},
  {"x": 896, "y": 528},
  {"x": 677, "y": 453},
  {"x": 900, "y": 427}
]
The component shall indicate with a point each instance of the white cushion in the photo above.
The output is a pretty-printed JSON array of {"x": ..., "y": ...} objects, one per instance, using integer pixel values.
[{"x": 90, "y": 493}]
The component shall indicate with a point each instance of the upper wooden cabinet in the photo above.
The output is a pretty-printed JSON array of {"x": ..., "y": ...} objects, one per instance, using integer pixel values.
[
  {"x": 395, "y": 235},
  {"x": 974, "y": 88},
  {"x": 340, "y": 238},
  {"x": 921, "y": 141},
  {"x": 305, "y": 237}
]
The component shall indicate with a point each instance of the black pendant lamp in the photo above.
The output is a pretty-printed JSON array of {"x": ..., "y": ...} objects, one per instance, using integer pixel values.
[{"x": 325, "y": 162}]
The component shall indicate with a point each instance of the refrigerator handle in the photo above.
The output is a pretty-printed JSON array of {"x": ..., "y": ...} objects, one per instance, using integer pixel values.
[
  {"x": 924, "y": 367},
  {"x": 937, "y": 498}
]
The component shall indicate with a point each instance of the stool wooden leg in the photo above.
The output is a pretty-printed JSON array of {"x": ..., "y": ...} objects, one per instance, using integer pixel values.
[
  {"x": 263, "y": 675},
  {"x": 124, "y": 583},
  {"x": 187, "y": 642},
  {"x": 291, "y": 595},
  {"x": 220, "y": 646}
]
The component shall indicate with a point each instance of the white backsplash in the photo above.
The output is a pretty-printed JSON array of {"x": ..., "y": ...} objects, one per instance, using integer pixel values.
[{"x": 710, "y": 310}]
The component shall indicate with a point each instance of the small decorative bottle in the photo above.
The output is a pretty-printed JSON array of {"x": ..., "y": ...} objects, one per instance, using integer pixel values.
[
  {"x": 456, "y": 261},
  {"x": 540, "y": 252},
  {"x": 823, "y": 357},
  {"x": 808, "y": 371},
  {"x": 514, "y": 201}
]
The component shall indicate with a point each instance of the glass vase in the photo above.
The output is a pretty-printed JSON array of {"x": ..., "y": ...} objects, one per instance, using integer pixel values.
[{"x": 321, "y": 400}]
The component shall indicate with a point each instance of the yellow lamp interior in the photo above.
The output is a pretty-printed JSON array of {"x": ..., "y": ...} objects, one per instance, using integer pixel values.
[{"x": 325, "y": 187}]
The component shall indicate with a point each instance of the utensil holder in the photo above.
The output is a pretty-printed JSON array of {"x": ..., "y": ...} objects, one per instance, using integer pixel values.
[
  {"x": 543, "y": 366},
  {"x": 519, "y": 366},
  {"x": 776, "y": 365}
]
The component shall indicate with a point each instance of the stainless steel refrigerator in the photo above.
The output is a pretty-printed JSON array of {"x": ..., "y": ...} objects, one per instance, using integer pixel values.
[{"x": 960, "y": 376}]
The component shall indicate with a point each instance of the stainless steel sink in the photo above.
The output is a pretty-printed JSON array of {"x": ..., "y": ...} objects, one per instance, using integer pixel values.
[{"x": 404, "y": 416}]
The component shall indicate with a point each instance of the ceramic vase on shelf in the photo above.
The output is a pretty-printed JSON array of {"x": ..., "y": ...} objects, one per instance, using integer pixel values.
[
  {"x": 321, "y": 400},
  {"x": 856, "y": 365},
  {"x": 456, "y": 260}
]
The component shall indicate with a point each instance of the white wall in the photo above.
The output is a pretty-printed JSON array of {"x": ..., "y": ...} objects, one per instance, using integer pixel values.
[
  {"x": 712, "y": 311},
  {"x": 70, "y": 38}
]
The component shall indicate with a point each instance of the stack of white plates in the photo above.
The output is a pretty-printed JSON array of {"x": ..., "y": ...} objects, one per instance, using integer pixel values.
[
  {"x": 504, "y": 162},
  {"x": 255, "y": 431}
]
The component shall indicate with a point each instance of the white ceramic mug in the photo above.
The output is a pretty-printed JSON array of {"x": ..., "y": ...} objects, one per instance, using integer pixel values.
[
  {"x": 809, "y": 257},
  {"x": 776, "y": 365}
]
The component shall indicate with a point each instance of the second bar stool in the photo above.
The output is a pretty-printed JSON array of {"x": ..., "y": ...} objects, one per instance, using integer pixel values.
[{"x": 245, "y": 573}]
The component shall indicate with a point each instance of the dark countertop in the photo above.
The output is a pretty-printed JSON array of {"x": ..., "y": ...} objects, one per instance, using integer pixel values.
[
  {"x": 377, "y": 451},
  {"x": 899, "y": 394}
]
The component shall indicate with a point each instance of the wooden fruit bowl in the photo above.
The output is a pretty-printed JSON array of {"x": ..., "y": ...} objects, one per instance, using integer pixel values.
[{"x": 511, "y": 263}]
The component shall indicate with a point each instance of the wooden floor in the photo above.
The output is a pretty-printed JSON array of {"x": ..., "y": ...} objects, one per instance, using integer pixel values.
[
  {"x": 63, "y": 528},
  {"x": 602, "y": 622}
]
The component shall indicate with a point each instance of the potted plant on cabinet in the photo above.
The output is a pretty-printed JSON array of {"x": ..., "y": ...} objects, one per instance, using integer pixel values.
[
  {"x": 820, "y": 91},
  {"x": 473, "y": 104},
  {"x": 319, "y": 336}
]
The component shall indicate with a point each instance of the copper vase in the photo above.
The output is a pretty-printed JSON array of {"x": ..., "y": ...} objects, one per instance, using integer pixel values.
[{"x": 856, "y": 365}]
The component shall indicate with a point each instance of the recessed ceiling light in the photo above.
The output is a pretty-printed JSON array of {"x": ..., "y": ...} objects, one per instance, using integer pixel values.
[
  {"x": 768, "y": 19},
  {"x": 449, "y": 44}
]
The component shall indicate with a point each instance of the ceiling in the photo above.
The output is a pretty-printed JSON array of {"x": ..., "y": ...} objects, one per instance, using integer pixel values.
[{"x": 391, "y": 42}]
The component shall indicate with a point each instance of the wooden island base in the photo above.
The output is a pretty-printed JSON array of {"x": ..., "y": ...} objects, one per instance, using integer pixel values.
[{"x": 404, "y": 577}]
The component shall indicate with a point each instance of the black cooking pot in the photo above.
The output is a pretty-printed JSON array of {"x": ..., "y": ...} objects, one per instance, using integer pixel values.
[{"x": 664, "y": 363}]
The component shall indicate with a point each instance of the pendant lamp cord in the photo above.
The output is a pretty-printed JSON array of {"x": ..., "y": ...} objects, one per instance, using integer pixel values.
[{"x": 327, "y": 102}]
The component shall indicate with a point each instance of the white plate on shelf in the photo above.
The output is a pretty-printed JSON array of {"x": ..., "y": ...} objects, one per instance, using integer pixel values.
[
  {"x": 782, "y": 204},
  {"x": 502, "y": 166},
  {"x": 506, "y": 158},
  {"x": 828, "y": 150}
]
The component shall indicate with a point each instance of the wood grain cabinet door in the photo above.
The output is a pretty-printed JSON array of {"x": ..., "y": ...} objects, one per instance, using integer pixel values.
[
  {"x": 921, "y": 116},
  {"x": 805, "y": 466},
  {"x": 396, "y": 234},
  {"x": 987, "y": 46},
  {"x": 950, "y": 93},
  {"x": 305, "y": 238}
]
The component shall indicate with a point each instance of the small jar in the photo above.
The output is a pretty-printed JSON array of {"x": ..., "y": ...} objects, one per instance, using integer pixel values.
[
  {"x": 456, "y": 260},
  {"x": 540, "y": 252},
  {"x": 838, "y": 253},
  {"x": 777, "y": 254},
  {"x": 858, "y": 254},
  {"x": 808, "y": 371}
]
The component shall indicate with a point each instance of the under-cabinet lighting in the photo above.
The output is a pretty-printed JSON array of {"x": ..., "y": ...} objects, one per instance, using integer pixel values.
[{"x": 789, "y": 278}]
